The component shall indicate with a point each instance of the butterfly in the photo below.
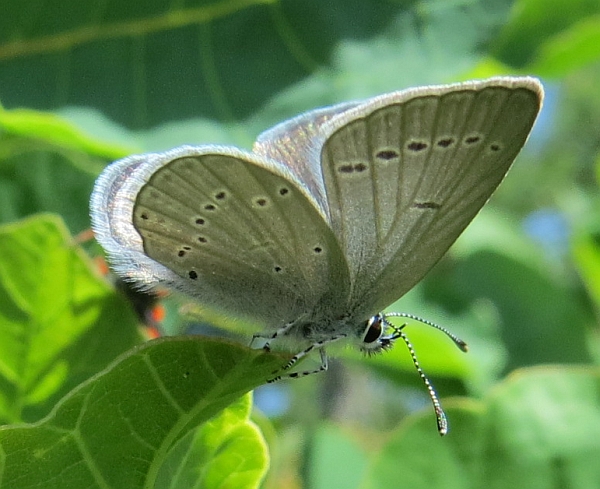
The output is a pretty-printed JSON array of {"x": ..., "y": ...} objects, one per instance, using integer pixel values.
[{"x": 333, "y": 216}]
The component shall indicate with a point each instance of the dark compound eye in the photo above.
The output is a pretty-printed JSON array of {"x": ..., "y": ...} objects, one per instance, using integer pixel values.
[{"x": 374, "y": 329}]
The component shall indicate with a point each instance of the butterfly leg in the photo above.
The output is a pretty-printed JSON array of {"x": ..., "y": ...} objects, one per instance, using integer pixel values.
[
  {"x": 271, "y": 336},
  {"x": 320, "y": 346}
]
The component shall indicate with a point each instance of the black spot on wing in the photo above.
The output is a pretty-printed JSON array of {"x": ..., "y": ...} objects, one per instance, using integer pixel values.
[
  {"x": 427, "y": 205},
  {"x": 387, "y": 154},
  {"x": 417, "y": 146}
]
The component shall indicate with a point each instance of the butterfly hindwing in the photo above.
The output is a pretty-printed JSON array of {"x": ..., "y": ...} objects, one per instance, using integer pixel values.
[{"x": 235, "y": 231}]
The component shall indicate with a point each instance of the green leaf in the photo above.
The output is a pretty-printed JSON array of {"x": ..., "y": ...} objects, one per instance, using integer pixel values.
[
  {"x": 570, "y": 50},
  {"x": 127, "y": 426},
  {"x": 59, "y": 324},
  {"x": 55, "y": 131},
  {"x": 534, "y": 23},
  {"x": 586, "y": 253},
  {"x": 143, "y": 65},
  {"x": 46, "y": 165},
  {"x": 540, "y": 428},
  {"x": 226, "y": 451}
]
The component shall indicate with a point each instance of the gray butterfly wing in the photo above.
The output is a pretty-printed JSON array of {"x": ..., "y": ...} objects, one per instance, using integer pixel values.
[
  {"x": 233, "y": 229},
  {"x": 406, "y": 172},
  {"x": 297, "y": 142}
]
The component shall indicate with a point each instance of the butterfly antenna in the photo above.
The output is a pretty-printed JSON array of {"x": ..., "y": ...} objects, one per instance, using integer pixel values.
[
  {"x": 457, "y": 341},
  {"x": 440, "y": 415}
]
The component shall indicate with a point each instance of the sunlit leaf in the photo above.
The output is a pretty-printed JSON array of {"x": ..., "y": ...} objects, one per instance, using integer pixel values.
[
  {"x": 119, "y": 428},
  {"x": 59, "y": 324}
]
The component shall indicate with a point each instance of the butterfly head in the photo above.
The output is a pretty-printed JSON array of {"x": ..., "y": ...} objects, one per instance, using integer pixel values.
[{"x": 379, "y": 334}]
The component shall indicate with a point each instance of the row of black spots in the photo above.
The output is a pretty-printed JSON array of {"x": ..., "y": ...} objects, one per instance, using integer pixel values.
[
  {"x": 277, "y": 268},
  {"x": 201, "y": 222},
  {"x": 417, "y": 146},
  {"x": 474, "y": 139},
  {"x": 209, "y": 208},
  {"x": 184, "y": 249},
  {"x": 264, "y": 201},
  {"x": 222, "y": 195},
  {"x": 317, "y": 250},
  {"x": 352, "y": 168},
  {"x": 391, "y": 154},
  {"x": 182, "y": 252}
]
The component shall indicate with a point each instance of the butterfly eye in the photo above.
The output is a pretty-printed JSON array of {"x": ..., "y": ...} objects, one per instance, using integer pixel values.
[{"x": 373, "y": 330}]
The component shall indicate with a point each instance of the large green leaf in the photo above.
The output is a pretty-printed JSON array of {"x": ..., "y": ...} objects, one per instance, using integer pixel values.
[
  {"x": 134, "y": 424},
  {"x": 144, "y": 63},
  {"x": 59, "y": 324}
]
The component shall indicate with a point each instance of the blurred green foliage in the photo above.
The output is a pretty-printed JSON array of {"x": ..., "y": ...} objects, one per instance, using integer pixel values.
[{"x": 83, "y": 85}]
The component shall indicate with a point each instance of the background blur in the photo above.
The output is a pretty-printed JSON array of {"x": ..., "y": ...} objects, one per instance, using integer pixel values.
[{"x": 82, "y": 85}]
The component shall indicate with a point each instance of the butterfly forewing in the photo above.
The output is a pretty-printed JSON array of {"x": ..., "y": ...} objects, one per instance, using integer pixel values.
[
  {"x": 243, "y": 238},
  {"x": 405, "y": 173}
]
